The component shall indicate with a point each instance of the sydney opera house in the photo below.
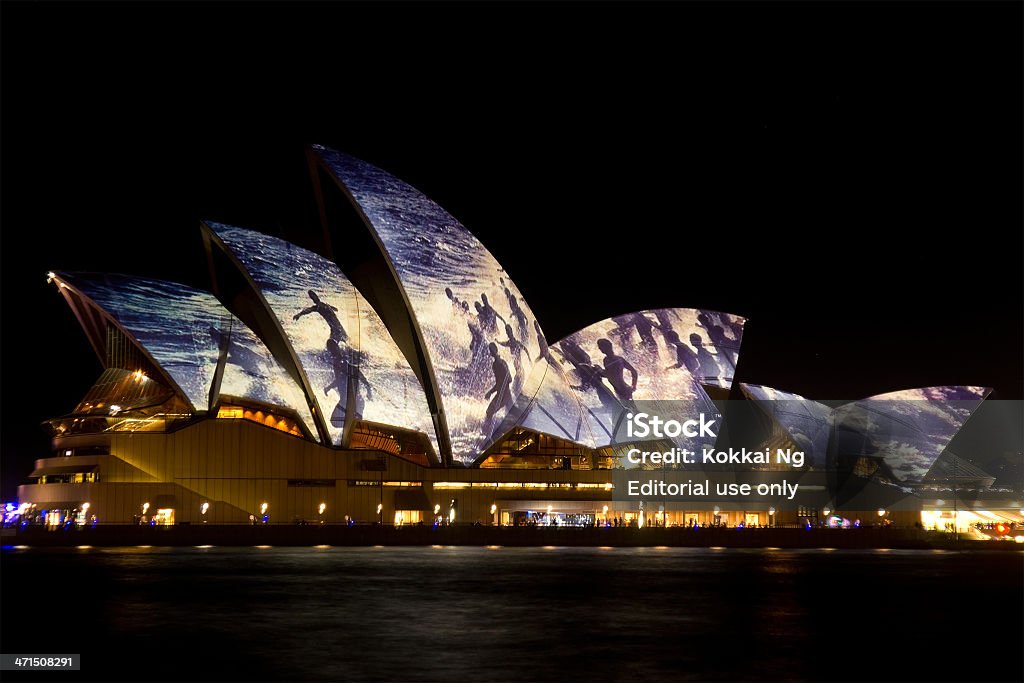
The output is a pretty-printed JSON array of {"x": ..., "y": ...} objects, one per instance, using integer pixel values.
[{"x": 398, "y": 375}]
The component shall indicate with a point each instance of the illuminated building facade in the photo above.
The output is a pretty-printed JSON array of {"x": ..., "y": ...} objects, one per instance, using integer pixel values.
[{"x": 418, "y": 387}]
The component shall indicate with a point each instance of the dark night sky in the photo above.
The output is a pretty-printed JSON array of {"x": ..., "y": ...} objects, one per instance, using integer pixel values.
[{"x": 847, "y": 176}]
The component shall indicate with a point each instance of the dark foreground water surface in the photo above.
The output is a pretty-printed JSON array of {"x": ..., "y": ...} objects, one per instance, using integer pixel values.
[{"x": 465, "y": 615}]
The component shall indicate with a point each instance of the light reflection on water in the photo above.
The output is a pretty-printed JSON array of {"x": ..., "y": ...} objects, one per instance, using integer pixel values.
[{"x": 477, "y": 614}]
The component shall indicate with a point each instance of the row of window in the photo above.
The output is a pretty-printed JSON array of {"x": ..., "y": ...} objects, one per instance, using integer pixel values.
[{"x": 72, "y": 478}]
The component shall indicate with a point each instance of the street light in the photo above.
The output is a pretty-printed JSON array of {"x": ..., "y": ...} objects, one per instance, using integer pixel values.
[
  {"x": 771, "y": 516},
  {"x": 203, "y": 509},
  {"x": 380, "y": 513}
]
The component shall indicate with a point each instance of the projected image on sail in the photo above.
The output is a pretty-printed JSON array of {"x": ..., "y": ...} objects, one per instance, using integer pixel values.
[
  {"x": 904, "y": 431},
  {"x": 479, "y": 334},
  {"x": 185, "y": 330},
  {"x": 345, "y": 351},
  {"x": 641, "y": 357}
]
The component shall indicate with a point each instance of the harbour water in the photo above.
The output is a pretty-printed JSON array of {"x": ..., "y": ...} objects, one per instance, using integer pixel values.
[{"x": 506, "y": 614}]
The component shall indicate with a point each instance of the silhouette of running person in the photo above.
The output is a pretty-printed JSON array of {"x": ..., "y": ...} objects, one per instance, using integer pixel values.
[
  {"x": 644, "y": 328},
  {"x": 615, "y": 369},
  {"x": 516, "y": 349},
  {"x": 716, "y": 335},
  {"x": 345, "y": 363},
  {"x": 502, "y": 386},
  {"x": 625, "y": 324},
  {"x": 488, "y": 316},
  {"x": 685, "y": 356},
  {"x": 518, "y": 313},
  {"x": 590, "y": 377},
  {"x": 458, "y": 303},
  {"x": 329, "y": 314},
  {"x": 708, "y": 367}
]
